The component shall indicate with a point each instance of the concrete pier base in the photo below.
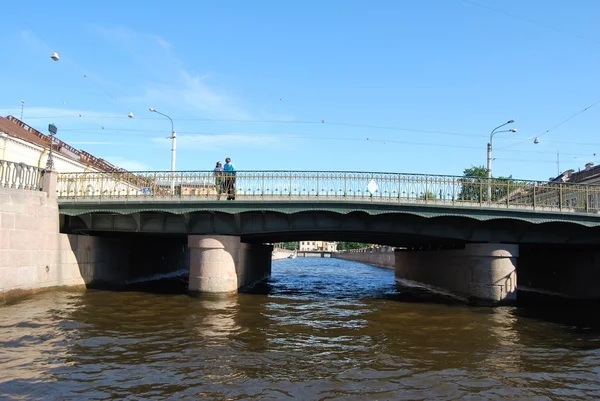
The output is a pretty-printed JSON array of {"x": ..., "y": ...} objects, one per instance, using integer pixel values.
[
  {"x": 222, "y": 264},
  {"x": 479, "y": 273}
]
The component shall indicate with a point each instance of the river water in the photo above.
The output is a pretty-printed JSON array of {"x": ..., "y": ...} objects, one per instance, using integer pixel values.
[{"x": 320, "y": 329}]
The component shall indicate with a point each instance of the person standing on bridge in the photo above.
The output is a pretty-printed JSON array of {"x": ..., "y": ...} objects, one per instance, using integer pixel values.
[
  {"x": 219, "y": 179},
  {"x": 229, "y": 170}
]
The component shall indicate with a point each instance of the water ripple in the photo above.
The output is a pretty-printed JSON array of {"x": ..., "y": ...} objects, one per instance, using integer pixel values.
[{"x": 320, "y": 329}]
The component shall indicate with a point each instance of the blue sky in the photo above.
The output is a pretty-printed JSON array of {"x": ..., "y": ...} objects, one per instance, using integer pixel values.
[{"x": 397, "y": 86}]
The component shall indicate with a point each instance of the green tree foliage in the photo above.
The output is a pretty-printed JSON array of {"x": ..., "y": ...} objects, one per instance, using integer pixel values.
[
  {"x": 428, "y": 196},
  {"x": 290, "y": 245},
  {"x": 344, "y": 246},
  {"x": 474, "y": 185}
]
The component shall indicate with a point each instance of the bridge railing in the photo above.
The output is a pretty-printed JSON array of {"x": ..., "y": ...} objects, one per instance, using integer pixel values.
[
  {"x": 19, "y": 176},
  {"x": 330, "y": 185}
]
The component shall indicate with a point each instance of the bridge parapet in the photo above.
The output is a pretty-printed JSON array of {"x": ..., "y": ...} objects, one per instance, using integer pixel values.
[
  {"x": 19, "y": 176},
  {"x": 201, "y": 186}
]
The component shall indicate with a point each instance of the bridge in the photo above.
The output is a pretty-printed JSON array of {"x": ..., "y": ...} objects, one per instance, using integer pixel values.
[
  {"x": 275, "y": 206},
  {"x": 451, "y": 234}
]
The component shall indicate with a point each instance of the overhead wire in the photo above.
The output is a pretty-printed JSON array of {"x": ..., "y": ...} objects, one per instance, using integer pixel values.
[
  {"x": 547, "y": 26},
  {"x": 62, "y": 58},
  {"x": 383, "y": 141},
  {"x": 555, "y": 126}
]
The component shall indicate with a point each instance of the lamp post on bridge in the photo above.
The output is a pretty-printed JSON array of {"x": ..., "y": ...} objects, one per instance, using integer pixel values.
[
  {"x": 50, "y": 162},
  {"x": 173, "y": 138},
  {"x": 489, "y": 156}
]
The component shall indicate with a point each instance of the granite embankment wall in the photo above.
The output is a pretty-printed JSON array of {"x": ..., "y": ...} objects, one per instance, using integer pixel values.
[
  {"x": 374, "y": 257},
  {"x": 32, "y": 251},
  {"x": 281, "y": 253}
]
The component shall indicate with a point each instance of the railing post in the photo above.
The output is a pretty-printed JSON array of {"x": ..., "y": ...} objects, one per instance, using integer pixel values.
[
  {"x": 587, "y": 199},
  {"x": 262, "y": 191},
  {"x": 426, "y": 189},
  {"x": 453, "y": 191},
  {"x": 49, "y": 181},
  {"x": 399, "y": 188},
  {"x": 290, "y": 183},
  {"x": 507, "y": 194},
  {"x": 345, "y": 185},
  {"x": 480, "y": 192},
  {"x": 560, "y": 197},
  {"x": 317, "y": 184},
  {"x": 534, "y": 197}
]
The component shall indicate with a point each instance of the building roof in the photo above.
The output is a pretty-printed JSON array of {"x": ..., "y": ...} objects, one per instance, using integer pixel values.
[
  {"x": 591, "y": 174},
  {"x": 16, "y": 128}
]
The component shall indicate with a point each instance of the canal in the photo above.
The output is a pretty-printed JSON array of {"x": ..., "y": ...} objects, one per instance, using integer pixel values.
[{"x": 320, "y": 329}]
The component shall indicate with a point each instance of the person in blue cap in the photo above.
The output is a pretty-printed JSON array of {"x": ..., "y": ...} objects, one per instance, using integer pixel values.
[{"x": 229, "y": 170}]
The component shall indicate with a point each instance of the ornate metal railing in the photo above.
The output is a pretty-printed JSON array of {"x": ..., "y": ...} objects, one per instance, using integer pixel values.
[
  {"x": 19, "y": 176},
  {"x": 329, "y": 185}
]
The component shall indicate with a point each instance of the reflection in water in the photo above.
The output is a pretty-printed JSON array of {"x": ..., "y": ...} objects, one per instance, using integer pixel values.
[{"x": 320, "y": 329}]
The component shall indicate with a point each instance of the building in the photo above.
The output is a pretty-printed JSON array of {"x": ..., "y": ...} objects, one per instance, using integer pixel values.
[
  {"x": 20, "y": 143},
  {"x": 22, "y": 146},
  {"x": 571, "y": 190},
  {"x": 318, "y": 246}
]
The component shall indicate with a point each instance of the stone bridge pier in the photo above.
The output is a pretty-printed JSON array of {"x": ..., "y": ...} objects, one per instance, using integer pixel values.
[
  {"x": 479, "y": 273},
  {"x": 222, "y": 264}
]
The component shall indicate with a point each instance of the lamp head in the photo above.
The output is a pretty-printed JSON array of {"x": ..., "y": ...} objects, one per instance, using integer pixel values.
[
  {"x": 130, "y": 115},
  {"x": 52, "y": 129},
  {"x": 513, "y": 130},
  {"x": 152, "y": 110},
  {"x": 536, "y": 140},
  {"x": 54, "y": 56},
  {"x": 510, "y": 121}
]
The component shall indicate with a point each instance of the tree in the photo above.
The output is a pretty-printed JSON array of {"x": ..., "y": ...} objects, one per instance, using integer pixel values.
[
  {"x": 344, "y": 246},
  {"x": 290, "y": 245},
  {"x": 474, "y": 184},
  {"x": 428, "y": 196}
]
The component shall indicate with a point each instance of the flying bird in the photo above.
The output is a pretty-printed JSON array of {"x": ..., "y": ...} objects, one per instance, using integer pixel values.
[
  {"x": 323, "y": 121},
  {"x": 281, "y": 100},
  {"x": 78, "y": 115}
]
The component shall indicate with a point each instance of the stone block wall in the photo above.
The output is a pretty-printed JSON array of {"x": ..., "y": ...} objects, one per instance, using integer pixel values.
[
  {"x": 481, "y": 273},
  {"x": 380, "y": 259},
  {"x": 31, "y": 249}
]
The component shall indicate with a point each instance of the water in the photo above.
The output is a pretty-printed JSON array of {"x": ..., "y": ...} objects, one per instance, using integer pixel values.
[{"x": 321, "y": 329}]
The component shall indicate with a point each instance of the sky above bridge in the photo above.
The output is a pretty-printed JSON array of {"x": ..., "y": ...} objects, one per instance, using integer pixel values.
[{"x": 390, "y": 86}]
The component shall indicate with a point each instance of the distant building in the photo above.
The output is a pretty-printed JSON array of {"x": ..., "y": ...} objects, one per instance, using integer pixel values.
[{"x": 318, "y": 246}]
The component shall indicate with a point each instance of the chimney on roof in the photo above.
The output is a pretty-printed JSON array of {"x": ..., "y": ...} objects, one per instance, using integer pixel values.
[{"x": 588, "y": 166}]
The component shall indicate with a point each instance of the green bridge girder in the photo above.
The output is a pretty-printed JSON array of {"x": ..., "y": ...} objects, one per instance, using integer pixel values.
[{"x": 278, "y": 220}]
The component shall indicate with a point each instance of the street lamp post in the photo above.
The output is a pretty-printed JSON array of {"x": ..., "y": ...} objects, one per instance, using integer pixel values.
[
  {"x": 489, "y": 156},
  {"x": 50, "y": 162},
  {"x": 173, "y": 138}
]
